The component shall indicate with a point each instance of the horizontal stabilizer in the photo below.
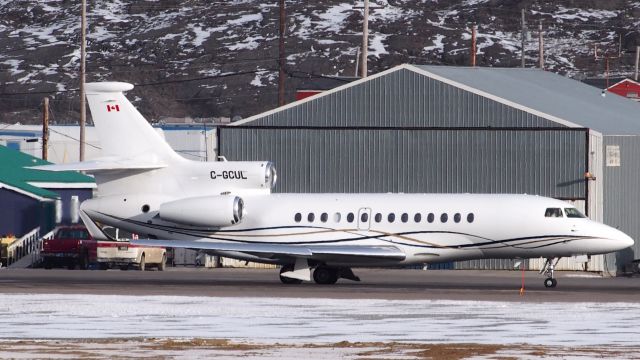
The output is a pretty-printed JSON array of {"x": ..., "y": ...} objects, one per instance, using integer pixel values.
[
  {"x": 282, "y": 250},
  {"x": 101, "y": 165}
]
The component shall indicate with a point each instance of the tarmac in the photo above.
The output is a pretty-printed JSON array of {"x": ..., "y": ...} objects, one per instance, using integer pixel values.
[{"x": 391, "y": 284}]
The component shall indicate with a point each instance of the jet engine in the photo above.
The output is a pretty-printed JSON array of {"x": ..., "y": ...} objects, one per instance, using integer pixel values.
[{"x": 206, "y": 211}]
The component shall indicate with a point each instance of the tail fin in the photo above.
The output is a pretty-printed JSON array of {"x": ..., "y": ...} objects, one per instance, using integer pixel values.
[{"x": 122, "y": 130}]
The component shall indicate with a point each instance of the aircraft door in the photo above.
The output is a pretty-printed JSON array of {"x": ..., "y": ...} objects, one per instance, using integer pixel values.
[{"x": 364, "y": 218}]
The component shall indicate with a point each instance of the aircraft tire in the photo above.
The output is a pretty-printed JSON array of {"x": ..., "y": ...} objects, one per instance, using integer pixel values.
[
  {"x": 325, "y": 275},
  {"x": 286, "y": 280},
  {"x": 550, "y": 282}
]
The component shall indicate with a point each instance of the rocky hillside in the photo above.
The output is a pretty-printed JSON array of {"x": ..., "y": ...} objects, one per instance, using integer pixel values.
[{"x": 219, "y": 58}]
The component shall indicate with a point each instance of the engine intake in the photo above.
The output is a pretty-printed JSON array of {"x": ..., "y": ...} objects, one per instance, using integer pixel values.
[{"x": 207, "y": 211}]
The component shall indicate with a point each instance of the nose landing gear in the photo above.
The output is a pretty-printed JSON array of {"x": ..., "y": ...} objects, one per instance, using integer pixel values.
[{"x": 547, "y": 269}]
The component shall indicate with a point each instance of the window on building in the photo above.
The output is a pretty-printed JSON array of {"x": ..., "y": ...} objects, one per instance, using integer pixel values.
[
  {"x": 457, "y": 217},
  {"x": 324, "y": 217},
  {"x": 378, "y": 217},
  {"x": 417, "y": 217},
  {"x": 297, "y": 217},
  {"x": 573, "y": 213},
  {"x": 404, "y": 217},
  {"x": 553, "y": 212},
  {"x": 350, "y": 217},
  {"x": 311, "y": 217},
  {"x": 444, "y": 217},
  {"x": 431, "y": 217},
  {"x": 470, "y": 217},
  {"x": 392, "y": 217}
]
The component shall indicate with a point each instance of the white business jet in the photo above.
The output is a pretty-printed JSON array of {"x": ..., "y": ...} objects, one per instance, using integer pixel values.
[{"x": 226, "y": 208}]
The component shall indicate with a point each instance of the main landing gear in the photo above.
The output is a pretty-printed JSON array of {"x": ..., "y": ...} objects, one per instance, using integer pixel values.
[
  {"x": 547, "y": 269},
  {"x": 322, "y": 275}
]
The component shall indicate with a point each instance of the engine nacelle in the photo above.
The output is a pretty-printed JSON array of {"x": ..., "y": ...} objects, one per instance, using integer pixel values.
[
  {"x": 241, "y": 175},
  {"x": 207, "y": 211}
]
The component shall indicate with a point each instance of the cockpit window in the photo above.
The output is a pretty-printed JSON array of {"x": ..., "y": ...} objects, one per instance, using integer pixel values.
[
  {"x": 553, "y": 212},
  {"x": 573, "y": 213}
]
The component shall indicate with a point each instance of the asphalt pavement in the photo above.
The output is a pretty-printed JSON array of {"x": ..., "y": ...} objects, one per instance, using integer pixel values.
[{"x": 375, "y": 284}]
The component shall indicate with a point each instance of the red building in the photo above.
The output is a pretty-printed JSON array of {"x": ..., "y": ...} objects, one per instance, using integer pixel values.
[{"x": 627, "y": 88}]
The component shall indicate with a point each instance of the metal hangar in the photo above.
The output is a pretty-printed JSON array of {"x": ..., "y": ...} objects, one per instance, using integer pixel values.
[{"x": 439, "y": 129}]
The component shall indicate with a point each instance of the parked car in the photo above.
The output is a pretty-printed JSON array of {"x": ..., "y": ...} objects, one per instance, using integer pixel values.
[{"x": 122, "y": 254}]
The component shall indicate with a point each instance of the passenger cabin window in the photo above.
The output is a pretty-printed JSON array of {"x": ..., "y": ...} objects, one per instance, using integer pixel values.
[
  {"x": 457, "y": 217},
  {"x": 297, "y": 217},
  {"x": 444, "y": 217},
  {"x": 417, "y": 217},
  {"x": 553, "y": 212},
  {"x": 311, "y": 217},
  {"x": 430, "y": 217},
  {"x": 404, "y": 217},
  {"x": 364, "y": 217},
  {"x": 573, "y": 213},
  {"x": 336, "y": 217},
  {"x": 324, "y": 217},
  {"x": 470, "y": 217},
  {"x": 378, "y": 217},
  {"x": 350, "y": 217},
  {"x": 391, "y": 217}
]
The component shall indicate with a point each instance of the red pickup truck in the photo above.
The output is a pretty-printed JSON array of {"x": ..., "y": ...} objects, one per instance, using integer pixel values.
[
  {"x": 73, "y": 246},
  {"x": 70, "y": 246}
]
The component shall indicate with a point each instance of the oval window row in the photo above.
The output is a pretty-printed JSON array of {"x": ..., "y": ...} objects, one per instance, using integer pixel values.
[{"x": 391, "y": 217}]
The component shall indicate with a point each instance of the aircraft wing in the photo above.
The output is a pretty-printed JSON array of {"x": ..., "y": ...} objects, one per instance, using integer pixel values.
[
  {"x": 278, "y": 251},
  {"x": 98, "y": 165}
]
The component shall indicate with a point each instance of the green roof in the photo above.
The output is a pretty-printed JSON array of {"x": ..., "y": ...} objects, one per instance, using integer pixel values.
[{"x": 13, "y": 172}]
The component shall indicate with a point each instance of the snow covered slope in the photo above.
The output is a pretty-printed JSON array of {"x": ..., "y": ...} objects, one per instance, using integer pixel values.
[{"x": 219, "y": 58}]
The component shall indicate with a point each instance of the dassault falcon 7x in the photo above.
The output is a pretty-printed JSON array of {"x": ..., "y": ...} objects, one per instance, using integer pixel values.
[{"x": 226, "y": 208}]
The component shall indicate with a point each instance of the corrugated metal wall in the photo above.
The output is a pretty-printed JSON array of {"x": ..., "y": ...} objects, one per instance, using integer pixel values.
[
  {"x": 318, "y": 160},
  {"x": 402, "y": 98},
  {"x": 621, "y": 196}
]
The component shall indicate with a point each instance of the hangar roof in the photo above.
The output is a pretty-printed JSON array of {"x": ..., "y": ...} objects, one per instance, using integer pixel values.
[
  {"x": 448, "y": 96},
  {"x": 550, "y": 93},
  {"x": 16, "y": 176}
]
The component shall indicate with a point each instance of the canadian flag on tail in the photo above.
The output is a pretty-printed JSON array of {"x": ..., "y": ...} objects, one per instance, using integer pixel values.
[{"x": 111, "y": 108}]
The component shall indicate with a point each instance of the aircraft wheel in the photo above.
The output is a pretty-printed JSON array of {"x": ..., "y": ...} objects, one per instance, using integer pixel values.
[
  {"x": 550, "y": 282},
  {"x": 325, "y": 275},
  {"x": 286, "y": 280}
]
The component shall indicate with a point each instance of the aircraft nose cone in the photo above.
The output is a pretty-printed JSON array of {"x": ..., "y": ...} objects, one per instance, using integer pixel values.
[{"x": 625, "y": 241}]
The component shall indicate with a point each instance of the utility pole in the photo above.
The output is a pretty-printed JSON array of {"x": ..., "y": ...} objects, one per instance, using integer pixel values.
[
  {"x": 523, "y": 36},
  {"x": 635, "y": 77},
  {"x": 45, "y": 127},
  {"x": 540, "y": 46},
  {"x": 355, "y": 73},
  {"x": 473, "y": 46},
  {"x": 365, "y": 40},
  {"x": 365, "y": 36},
  {"x": 607, "y": 58},
  {"x": 281, "y": 56},
  {"x": 83, "y": 100}
]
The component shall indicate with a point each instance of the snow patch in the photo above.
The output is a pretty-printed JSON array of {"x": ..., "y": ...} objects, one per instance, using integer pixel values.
[
  {"x": 438, "y": 45},
  {"x": 245, "y": 19},
  {"x": 376, "y": 45},
  {"x": 250, "y": 43},
  {"x": 291, "y": 320},
  {"x": 14, "y": 65}
]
